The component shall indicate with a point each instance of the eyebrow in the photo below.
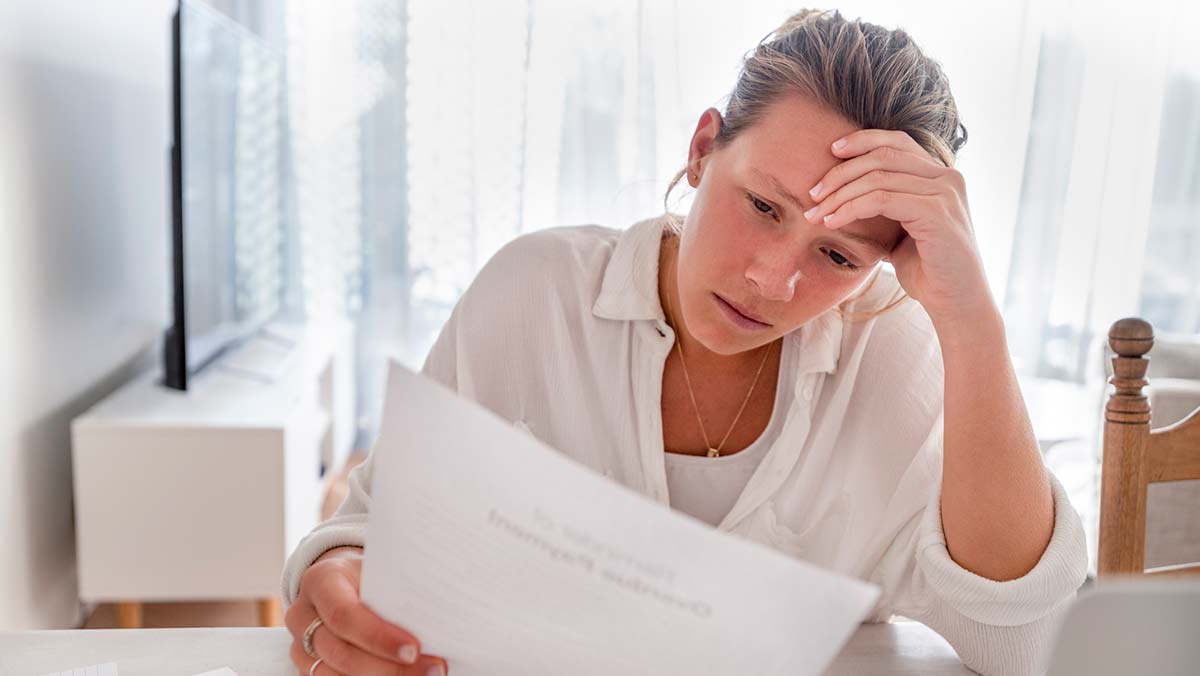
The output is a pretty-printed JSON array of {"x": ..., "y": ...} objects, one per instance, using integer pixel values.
[
  {"x": 781, "y": 189},
  {"x": 868, "y": 242}
]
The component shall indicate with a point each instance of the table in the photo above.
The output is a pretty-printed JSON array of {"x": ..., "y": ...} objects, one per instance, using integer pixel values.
[{"x": 894, "y": 648}]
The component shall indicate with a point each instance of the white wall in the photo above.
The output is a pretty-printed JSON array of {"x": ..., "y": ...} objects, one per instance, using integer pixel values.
[{"x": 84, "y": 132}]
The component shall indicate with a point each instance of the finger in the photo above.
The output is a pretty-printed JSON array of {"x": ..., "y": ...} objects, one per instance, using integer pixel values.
[
  {"x": 350, "y": 659},
  {"x": 298, "y": 616},
  {"x": 911, "y": 211},
  {"x": 304, "y": 663},
  {"x": 338, "y": 604},
  {"x": 878, "y": 179},
  {"x": 431, "y": 665},
  {"x": 887, "y": 158},
  {"x": 865, "y": 140}
]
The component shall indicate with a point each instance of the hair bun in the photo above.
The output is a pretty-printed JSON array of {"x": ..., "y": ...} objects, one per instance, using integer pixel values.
[{"x": 794, "y": 21}]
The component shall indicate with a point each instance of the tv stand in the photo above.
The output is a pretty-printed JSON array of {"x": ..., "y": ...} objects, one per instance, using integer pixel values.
[{"x": 202, "y": 494}]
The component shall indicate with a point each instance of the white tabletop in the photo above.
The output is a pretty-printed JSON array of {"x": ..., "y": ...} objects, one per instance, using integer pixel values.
[{"x": 897, "y": 648}]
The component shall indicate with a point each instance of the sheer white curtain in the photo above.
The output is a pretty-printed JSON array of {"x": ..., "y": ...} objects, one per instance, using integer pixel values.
[
  {"x": 333, "y": 83},
  {"x": 348, "y": 248},
  {"x": 1103, "y": 230},
  {"x": 1170, "y": 286}
]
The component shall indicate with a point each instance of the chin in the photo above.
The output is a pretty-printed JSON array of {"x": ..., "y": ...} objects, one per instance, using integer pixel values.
[{"x": 722, "y": 340}]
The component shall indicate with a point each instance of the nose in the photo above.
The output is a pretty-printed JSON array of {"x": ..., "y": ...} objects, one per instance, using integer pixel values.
[{"x": 774, "y": 277}]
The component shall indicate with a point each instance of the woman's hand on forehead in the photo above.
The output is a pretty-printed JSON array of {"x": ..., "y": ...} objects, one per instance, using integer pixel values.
[{"x": 887, "y": 173}]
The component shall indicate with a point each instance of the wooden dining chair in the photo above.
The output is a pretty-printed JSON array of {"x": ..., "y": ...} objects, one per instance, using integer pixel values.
[{"x": 1136, "y": 456}]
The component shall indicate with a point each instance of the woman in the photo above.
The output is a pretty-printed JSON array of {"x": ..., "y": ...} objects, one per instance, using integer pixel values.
[{"x": 772, "y": 379}]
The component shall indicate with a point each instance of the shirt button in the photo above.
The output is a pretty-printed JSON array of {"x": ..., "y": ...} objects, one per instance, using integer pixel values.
[{"x": 808, "y": 392}]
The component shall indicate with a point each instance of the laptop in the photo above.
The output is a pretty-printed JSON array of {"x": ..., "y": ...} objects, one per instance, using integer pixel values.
[{"x": 1127, "y": 627}]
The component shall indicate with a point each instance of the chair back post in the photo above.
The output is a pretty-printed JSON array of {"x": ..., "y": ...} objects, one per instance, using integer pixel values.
[{"x": 1126, "y": 432}]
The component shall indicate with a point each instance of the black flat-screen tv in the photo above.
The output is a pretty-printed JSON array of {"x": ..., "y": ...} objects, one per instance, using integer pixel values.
[{"x": 228, "y": 179}]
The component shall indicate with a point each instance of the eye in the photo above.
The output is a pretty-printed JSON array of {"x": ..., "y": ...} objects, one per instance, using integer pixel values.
[
  {"x": 839, "y": 260},
  {"x": 761, "y": 206}
]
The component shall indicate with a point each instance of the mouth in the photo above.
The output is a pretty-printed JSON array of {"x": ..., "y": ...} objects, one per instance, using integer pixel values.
[{"x": 740, "y": 311}]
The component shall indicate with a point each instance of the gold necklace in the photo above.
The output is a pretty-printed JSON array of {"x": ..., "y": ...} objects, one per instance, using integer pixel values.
[{"x": 712, "y": 452}]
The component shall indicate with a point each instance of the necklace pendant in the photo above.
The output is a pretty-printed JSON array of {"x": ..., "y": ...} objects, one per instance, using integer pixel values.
[{"x": 713, "y": 453}]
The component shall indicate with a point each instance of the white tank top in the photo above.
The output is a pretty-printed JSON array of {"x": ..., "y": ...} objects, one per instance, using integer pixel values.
[{"x": 707, "y": 488}]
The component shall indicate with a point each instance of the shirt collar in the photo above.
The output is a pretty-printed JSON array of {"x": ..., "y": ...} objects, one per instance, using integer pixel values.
[
  {"x": 630, "y": 286},
  {"x": 629, "y": 291},
  {"x": 818, "y": 343}
]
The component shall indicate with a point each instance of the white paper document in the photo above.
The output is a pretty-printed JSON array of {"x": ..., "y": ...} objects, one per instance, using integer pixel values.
[
  {"x": 110, "y": 669},
  {"x": 508, "y": 558},
  {"x": 107, "y": 669}
]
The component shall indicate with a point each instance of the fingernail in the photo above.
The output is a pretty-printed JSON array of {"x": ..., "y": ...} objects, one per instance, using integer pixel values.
[
  {"x": 839, "y": 144},
  {"x": 809, "y": 214},
  {"x": 816, "y": 190},
  {"x": 436, "y": 669},
  {"x": 408, "y": 653},
  {"x": 828, "y": 219}
]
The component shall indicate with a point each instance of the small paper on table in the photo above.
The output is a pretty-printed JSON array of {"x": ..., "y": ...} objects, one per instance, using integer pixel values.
[
  {"x": 106, "y": 669},
  {"x": 505, "y": 556}
]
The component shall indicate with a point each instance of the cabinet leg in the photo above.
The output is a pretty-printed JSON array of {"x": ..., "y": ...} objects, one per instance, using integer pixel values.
[
  {"x": 129, "y": 615},
  {"x": 270, "y": 612}
]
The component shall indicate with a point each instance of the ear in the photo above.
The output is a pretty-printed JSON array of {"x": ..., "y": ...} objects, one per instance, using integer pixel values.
[{"x": 703, "y": 142}]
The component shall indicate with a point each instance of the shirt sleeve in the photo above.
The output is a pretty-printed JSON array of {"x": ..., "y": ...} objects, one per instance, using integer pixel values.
[
  {"x": 995, "y": 627},
  {"x": 476, "y": 354},
  {"x": 348, "y": 525}
]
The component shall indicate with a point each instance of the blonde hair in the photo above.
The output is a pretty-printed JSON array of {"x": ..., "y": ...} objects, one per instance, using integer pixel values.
[{"x": 873, "y": 77}]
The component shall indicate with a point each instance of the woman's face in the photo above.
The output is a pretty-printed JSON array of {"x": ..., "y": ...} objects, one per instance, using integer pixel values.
[{"x": 746, "y": 240}]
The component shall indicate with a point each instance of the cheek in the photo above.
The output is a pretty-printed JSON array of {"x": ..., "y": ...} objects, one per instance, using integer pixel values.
[
  {"x": 819, "y": 274},
  {"x": 719, "y": 218},
  {"x": 822, "y": 286},
  {"x": 720, "y": 242},
  {"x": 817, "y": 266}
]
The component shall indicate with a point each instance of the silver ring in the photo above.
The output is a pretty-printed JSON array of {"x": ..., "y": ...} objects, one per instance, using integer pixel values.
[
  {"x": 313, "y": 669},
  {"x": 308, "y": 636}
]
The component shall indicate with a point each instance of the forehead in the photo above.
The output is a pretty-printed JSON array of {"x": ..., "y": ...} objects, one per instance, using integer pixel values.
[
  {"x": 791, "y": 143},
  {"x": 792, "y": 139}
]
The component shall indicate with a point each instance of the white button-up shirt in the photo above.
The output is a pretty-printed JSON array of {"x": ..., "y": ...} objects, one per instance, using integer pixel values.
[{"x": 562, "y": 333}]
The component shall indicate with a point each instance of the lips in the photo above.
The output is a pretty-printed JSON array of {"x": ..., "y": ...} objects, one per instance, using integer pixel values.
[{"x": 743, "y": 311}]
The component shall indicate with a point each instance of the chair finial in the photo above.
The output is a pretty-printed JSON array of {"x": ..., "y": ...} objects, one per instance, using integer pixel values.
[{"x": 1131, "y": 337}]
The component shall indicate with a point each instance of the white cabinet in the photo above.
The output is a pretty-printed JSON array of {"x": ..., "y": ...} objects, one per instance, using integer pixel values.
[{"x": 202, "y": 494}]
